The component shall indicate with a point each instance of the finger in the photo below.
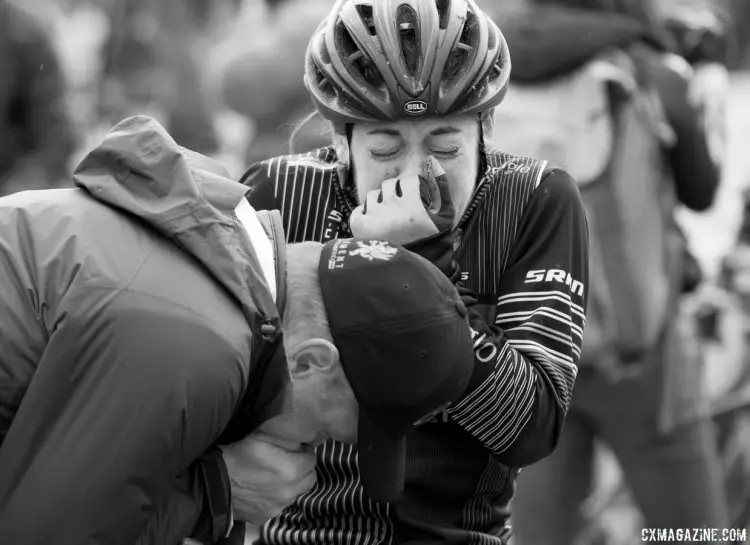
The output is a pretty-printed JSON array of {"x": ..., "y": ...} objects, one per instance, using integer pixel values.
[
  {"x": 407, "y": 189},
  {"x": 307, "y": 483},
  {"x": 255, "y": 445},
  {"x": 446, "y": 208},
  {"x": 356, "y": 213},
  {"x": 293, "y": 467},
  {"x": 280, "y": 442},
  {"x": 391, "y": 190},
  {"x": 365, "y": 225},
  {"x": 373, "y": 199},
  {"x": 289, "y": 494}
]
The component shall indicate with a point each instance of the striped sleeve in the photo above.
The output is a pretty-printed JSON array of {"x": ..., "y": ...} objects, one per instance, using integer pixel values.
[
  {"x": 301, "y": 187},
  {"x": 526, "y": 361}
]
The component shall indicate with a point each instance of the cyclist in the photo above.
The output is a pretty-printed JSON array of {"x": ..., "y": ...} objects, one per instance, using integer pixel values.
[{"x": 406, "y": 84}]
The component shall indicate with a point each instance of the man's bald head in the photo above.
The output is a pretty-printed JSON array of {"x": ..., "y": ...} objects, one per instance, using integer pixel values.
[
  {"x": 322, "y": 403},
  {"x": 305, "y": 314}
]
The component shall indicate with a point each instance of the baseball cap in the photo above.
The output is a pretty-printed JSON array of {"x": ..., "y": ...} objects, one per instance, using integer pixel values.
[{"x": 404, "y": 339}]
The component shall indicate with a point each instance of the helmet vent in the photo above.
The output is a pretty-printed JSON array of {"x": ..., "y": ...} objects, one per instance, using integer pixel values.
[
  {"x": 444, "y": 10},
  {"x": 345, "y": 43},
  {"x": 459, "y": 60},
  {"x": 408, "y": 27},
  {"x": 321, "y": 82},
  {"x": 469, "y": 31},
  {"x": 365, "y": 13}
]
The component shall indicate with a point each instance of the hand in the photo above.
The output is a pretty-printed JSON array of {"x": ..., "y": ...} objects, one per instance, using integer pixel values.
[
  {"x": 407, "y": 209},
  {"x": 267, "y": 474}
]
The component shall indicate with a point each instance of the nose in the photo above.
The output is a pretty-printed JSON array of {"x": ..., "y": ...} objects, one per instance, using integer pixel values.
[{"x": 412, "y": 165}]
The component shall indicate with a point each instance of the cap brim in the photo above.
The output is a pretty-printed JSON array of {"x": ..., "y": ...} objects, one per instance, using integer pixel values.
[{"x": 382, "y": 462}]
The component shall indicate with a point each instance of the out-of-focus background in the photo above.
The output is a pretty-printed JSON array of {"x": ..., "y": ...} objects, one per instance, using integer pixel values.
[{"x": 225, "y": 78}]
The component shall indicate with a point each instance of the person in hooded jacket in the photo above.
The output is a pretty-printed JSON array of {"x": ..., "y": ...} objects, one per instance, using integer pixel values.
[
  {"x": 675, "y": 475},
  {"x": 142, "y": 317}
]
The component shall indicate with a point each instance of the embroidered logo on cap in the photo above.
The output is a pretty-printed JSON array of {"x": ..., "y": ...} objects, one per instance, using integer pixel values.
[{"x": 374, "y": 249}]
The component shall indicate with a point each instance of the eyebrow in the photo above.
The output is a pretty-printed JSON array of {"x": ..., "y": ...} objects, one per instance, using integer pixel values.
[
  {"x": 440, "y": 131},
  {"x": 387, "y": 132},
  {"x": 448, "y": 129}
]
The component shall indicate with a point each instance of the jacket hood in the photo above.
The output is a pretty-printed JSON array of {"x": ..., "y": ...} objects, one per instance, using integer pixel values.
[
  {"x": 187, "y": 197},
  {"x": 548, "y": 41}
]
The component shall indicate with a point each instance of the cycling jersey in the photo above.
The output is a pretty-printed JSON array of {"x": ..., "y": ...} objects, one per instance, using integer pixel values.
[{"x": 523, "y": 252}]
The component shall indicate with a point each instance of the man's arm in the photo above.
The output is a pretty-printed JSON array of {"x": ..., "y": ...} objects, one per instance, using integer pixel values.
[
  {"x": 526, "y": 361},
  {"x": 128, "y": 394}
]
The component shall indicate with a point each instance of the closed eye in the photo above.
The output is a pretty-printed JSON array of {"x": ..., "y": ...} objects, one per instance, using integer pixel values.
[
  {"x": 384, "y": 153},
  {"x": 448, "y": 153}
]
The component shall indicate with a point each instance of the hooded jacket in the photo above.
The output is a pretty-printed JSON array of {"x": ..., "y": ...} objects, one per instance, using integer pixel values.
[{"x": 138, "y": 329}]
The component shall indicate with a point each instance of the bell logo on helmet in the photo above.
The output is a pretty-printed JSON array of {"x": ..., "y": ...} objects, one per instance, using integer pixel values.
[{"x": 415, "y": 107}]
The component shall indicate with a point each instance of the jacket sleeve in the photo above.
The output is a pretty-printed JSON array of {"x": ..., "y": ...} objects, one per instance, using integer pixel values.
[
  {"x": 21, "y": 339},
  {"x": 525, "y": 365},
  {"x": 125, "y": 398},
  {"x": 695, "y": 173}
]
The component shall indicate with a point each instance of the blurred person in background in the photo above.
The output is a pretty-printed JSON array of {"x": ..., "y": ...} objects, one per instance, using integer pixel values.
[
  {"x": 36, "y": 131},
  {"x": 409, "y": 90},
  {"x": 152, "y": 65},
  {"x": 701, "y": 34},
  {"x": 645, "y": 404},
  {"x": 262, "y": 60}
]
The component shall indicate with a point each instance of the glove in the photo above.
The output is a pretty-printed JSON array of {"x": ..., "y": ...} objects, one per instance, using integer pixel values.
[
  {"x": 440, "y": 247},
  {"x": 416, "y": 212}
]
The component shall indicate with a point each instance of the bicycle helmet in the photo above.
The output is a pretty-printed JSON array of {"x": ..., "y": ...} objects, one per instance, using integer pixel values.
[{"x": 384, "y": 60}]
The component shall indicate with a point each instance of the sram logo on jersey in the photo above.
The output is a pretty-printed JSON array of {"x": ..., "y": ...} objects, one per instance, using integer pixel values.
[
  {"x": 555, "y": 275},
  {"x": 415, "y": 107}
]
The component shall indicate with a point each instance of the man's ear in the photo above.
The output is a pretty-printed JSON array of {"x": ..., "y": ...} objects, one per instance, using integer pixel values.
[{"x": 314, "y": 356}]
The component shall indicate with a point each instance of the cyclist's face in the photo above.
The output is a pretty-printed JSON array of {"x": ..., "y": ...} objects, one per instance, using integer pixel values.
[{"x": 380, "y": 151}]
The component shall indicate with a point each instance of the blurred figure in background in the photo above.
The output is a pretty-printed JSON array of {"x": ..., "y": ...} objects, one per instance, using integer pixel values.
[
  {"x": 646, "y": 404},
  {"x": 35, "y": 129},
  {"x": 152, "y": 65},
  {"x": 262, "y": 61},
  {"x": 701, "y": 35}
]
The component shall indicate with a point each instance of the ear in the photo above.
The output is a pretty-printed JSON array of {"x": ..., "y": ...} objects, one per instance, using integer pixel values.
[{"x": 314, "y": 356}]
